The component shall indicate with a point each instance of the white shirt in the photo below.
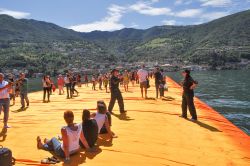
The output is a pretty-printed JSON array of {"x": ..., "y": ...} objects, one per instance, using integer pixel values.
[
  {"x": 142, "y": 74},
  {"x": 100, "y": 120},
  {"x": 73, "y": 138},
  {"x": 66, "y": 80},
  {"x": 4, "y": 94}
]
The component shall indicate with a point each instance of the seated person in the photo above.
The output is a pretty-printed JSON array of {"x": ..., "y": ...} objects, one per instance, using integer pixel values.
[
  {"x": 89, "y": 129},
  {"x": 102, "y": 119},
  {"x": 71, "y": 134}
]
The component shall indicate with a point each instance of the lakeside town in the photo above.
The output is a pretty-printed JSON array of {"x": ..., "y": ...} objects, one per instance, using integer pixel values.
[{"x": 92, "y": 67}]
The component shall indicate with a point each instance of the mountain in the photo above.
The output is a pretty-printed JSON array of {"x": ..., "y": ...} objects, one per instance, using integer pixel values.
[
  {"x": 42, "y": 46},
  {"x": 223, "y": 40},
  {"x": 33, "y": 31}
]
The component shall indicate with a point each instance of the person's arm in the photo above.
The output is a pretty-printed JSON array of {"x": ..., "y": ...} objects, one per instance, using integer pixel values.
[
  {"x": 93, "y": 115},
  {"x": 108, "y": 128},
  {"x": 194, "y": 85},
  {"x": 83, "y": 140},
  {"x": 65, "y": 144},
  {"x": 5, "y": 87}
]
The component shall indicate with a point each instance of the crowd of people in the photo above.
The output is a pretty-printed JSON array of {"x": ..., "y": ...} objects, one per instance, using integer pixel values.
[{"x": 85, "y": 134}]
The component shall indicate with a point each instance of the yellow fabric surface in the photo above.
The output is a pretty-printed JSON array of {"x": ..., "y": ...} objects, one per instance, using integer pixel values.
[{"x": 152, "y": 133}]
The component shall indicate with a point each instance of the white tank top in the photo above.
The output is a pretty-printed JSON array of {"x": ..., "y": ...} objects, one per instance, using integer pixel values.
[
  {"x": 100, "y": 119},
  {"x": 73, "y": 138}
]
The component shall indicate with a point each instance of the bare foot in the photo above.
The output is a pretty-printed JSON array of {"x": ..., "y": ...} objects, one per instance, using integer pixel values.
[
  {"x": 45, "y": 140},
  {"x": 39, "y": 143}
]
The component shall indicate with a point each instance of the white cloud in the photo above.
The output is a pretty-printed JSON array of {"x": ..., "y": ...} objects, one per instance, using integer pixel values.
[
  {"x": 146, "y": 9},
  {"x": 112, "y": 21},
  {"x": 183, "y": 2},
  {"x": 178, "y": 2},
  {"x": 213, "y": 15},
  {"x": 15, "y": 14},
  {"x": 134, "y": 25},
  {"x": 109, "y": 23},
  {"x": 189, "y": 13},
  {"x": 216, "y": 3},
  {"x": 169, "y": 22}
]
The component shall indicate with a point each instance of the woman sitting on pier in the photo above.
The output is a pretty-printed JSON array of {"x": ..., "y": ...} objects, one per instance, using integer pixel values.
[
  {"x": 103, "y": 119},
  {"x": 71, "y": 134}
]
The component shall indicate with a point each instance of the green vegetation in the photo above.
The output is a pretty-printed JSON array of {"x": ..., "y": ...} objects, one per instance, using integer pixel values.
[{"x": 40, "y": 46}]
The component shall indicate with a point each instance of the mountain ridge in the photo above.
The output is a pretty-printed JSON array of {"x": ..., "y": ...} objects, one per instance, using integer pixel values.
[{"x": 216, "y": 43}]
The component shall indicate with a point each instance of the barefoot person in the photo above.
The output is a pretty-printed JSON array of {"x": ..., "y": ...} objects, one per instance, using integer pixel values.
[
  {"x": 126, "y": 80},
  {"x": 115, "y": 92},
  {"x": 188, "y": 95},
  {"x": 4, "y": 99},
  {"x": 23, "y": 82},
  {"x": 158, "y": 80},
  {"x": 71, "y": 135},
  {"x": 46, "y": 88},
  {"x": 143, "y": 76},
  {"x": 103, "y": 119},
  {"x": 89, "y": 128},
  {"x": 60, "y": 83}
]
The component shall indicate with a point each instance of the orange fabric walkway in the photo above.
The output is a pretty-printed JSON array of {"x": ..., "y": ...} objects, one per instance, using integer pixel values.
[{"x": 152, "y": 133}]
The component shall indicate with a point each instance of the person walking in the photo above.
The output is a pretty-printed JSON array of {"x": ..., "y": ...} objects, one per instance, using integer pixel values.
[
  {"x": 73, "y": 85},
  {"x": 125, "y": 80},
  {"x": 60, "y": 83},
  {"x": 86, "y": 80},
  {"x": 23, "y": 90},
  {"x": 100, "y": 80},
  {"x": 93, "y": 82},
  {"x": 143, "y": 78},
  {"x": 158, "y": 80},
  {"x": 115, "y": 92},
  {"x": 67, "y": 81},
  {"x": 4, "y": 99},
  {"x": 188, "y": 85},
  {"x": 106, "y": 82},
  {"x": 46, "y": 88}
]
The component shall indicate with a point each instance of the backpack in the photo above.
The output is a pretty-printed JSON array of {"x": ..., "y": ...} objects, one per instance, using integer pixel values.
[{"x": 6, "y": 158}]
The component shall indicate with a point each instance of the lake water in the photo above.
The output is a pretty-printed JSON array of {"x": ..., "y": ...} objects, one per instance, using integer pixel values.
[{"x": 228, "y": 92}]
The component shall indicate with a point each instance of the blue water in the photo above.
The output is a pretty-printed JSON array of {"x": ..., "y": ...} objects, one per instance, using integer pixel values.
[{"x": 228, "y": 92}]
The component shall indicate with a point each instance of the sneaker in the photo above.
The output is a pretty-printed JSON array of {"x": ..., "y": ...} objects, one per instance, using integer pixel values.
[
  {"x": 193, "y": 120},
  {"x": 6, "y": 126}
]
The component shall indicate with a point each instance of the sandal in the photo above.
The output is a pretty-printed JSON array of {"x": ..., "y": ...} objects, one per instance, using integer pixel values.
[
  {"x": 53, "y": 158},
  {"x": 47, "y": 161}
]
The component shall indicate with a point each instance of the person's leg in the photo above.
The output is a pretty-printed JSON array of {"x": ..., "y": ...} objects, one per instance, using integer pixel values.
[
  {"x": 112, "y": 101},
  {"x": 146, "y": 91},
  {"x": 120, "y": 102},
  {"x": 22, "y": 100},
  {"x": 70, "y": 91},
  {"x": 6, "y": 105},
  {"x": 44, "y": 93},
  {"x": 26, "y": 99},
  {"x": 67, "y": 88},
  {"x": 48, "y": 94},
  {"x": 191, "y": 107},
  {"x": 157, "y": 89},
  {"x": 55, "y": 146},
  {"x": 142, "y": 92},
  {"x": 184, "y": 106}
]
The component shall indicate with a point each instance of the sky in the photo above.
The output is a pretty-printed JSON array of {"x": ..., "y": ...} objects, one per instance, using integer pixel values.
[{"x": 110, "y": 15}]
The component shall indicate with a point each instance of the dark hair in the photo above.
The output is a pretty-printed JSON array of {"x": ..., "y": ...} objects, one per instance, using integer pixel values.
[
  {"x": 85, "y": 115},
  {"x": 187, "y": 72},
  {"x": 68, "y": 116},
  {"x": 101, "y": 108}
]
